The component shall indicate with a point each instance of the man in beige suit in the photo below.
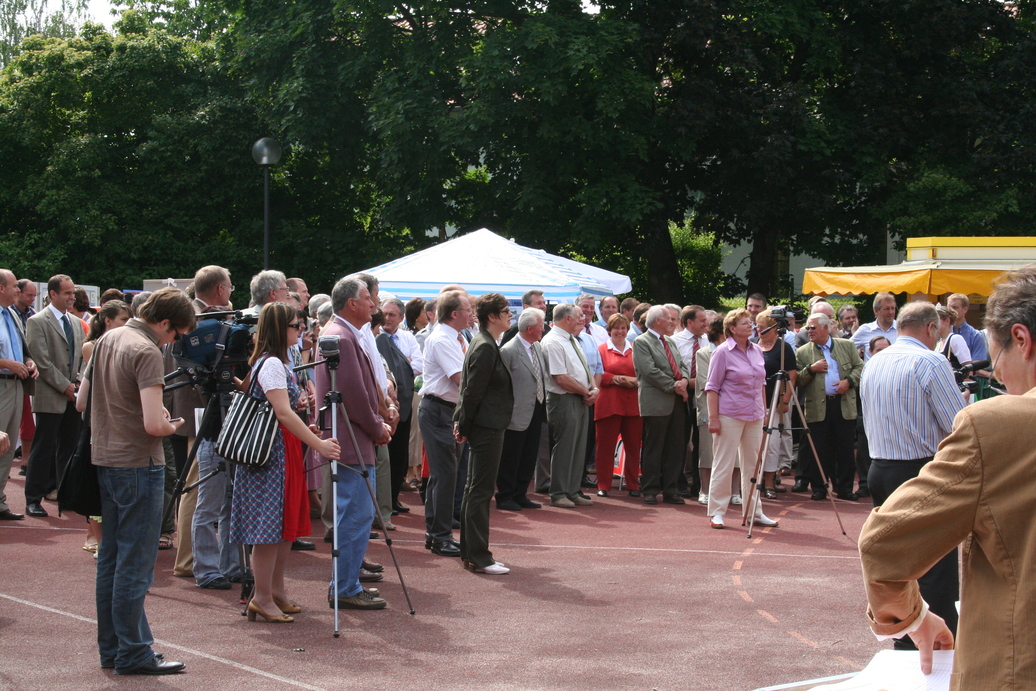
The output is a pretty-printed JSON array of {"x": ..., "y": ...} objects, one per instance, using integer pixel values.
[
  {"x": 662, "y": 391},
  {"x": 15, "y": 369},
  {"x": 978, "y": 484},
  {"x": 54, "y": 337}
]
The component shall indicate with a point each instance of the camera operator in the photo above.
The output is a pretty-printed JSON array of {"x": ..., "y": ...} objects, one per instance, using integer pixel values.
[{"x": 216, "y": 560}]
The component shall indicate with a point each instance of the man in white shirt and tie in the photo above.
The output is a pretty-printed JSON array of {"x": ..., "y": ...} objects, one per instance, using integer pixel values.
[{"x": 689, "y": 341}]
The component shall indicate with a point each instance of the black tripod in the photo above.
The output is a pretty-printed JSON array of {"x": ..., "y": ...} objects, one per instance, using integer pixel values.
[
  {"x": 781, "y": 380},
  {"x": 215, "y": 412},
  {"x": 333, "y": 402}
]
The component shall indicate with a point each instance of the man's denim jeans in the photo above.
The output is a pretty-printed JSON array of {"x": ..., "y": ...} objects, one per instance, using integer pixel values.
[
  {"x": 131, "y": 512},
  {"x": 214, "y": 554}
]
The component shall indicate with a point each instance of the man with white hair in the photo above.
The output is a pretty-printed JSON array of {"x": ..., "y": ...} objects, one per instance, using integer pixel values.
[
  {"x": 267, "y": 286},
  {"x": 662, "y": 393},
  {"x": 820, "y": 307},
  {"x": 829, "y": 372},
  {"x": 523, "y": 357},
  {"x": 570, "y": 394}
]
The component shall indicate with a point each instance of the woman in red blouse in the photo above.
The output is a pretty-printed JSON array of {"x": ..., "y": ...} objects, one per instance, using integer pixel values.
[{"x": 616, "y": 411}]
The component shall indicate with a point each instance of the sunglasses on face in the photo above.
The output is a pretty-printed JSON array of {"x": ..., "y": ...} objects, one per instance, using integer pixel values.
[{"x": 296, "y": 325}]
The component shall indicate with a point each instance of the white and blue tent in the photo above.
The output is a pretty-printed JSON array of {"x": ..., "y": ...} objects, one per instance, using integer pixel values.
[{"x": 484, "y": 262}]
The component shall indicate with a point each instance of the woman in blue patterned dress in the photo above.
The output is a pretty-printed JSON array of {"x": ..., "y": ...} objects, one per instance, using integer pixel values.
[{"x": 270, "y": 507}]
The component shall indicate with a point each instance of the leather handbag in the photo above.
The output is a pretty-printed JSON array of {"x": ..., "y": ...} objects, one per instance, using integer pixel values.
[
  {"x": 249, "y": 429},
  {"x": 79, "y": 490}
]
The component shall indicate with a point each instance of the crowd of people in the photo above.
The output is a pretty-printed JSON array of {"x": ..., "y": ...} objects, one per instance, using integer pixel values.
[{"x": 662, "y": 402}]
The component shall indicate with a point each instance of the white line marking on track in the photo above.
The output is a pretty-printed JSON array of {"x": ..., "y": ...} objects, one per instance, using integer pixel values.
[
  {"x": 167, "y": 644},
  {"x": 606, "y": 548}
]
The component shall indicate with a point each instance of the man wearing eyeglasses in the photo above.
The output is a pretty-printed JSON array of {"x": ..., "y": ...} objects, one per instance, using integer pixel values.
[
  {"x": 909, "y": 400},
  {"x": 829, "y": 370}
]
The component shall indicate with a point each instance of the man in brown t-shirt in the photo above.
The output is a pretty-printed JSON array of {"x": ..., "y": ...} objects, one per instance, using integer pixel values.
[{"x": 128, "y": 422}]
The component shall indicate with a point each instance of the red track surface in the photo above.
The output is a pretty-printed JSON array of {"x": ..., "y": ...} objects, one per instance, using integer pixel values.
[{"x": 615, "y": 596}]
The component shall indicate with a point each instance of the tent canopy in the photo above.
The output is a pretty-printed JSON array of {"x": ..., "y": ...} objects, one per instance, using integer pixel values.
[
  {"x": 934, "y": 266},
  {"x": 484, "y": 262}
]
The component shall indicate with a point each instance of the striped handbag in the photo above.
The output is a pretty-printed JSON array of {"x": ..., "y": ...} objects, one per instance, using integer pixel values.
[{"x": 249, "y": 428}]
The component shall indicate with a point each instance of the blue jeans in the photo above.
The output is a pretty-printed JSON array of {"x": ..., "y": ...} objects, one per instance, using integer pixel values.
[
  {"x": 131, "y": 512},
  {"x": 355, "y": 516},
  {"x": 214, "y": 554}
]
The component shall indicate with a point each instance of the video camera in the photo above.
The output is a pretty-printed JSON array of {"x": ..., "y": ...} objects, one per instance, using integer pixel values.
[
  {"x": 216, "y": 351},
  {"x": 966, "y": 371}
]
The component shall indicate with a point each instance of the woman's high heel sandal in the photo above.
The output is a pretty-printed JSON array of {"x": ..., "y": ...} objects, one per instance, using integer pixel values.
[
  {"x": 253, "y": 609},
  {"x": 287, "y": 607}
]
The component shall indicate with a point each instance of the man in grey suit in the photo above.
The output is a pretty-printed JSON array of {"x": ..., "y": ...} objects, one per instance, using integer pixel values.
[
  {"x": 54, "y": 337},
  {"x": 662, "y": 394},
  {"x": 524, "y": 360}
]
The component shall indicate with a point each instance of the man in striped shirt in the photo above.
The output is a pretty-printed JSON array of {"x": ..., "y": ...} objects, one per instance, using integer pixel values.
[{"x": 910, "y": 398}]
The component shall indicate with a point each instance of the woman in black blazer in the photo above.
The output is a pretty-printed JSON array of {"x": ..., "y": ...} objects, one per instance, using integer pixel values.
[{"x": 482, "y": 414}]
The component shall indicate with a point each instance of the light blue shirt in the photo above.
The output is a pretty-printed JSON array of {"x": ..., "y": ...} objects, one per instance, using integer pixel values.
[
  {"x": 864, "y": 334},
  {"x": 976, "y": 342},
  {"x": 832, "y": 376},
  {"x": 10, "y": 339},
  {"x": 591, "y": 353},
  {"x": 909, "y": 401}
]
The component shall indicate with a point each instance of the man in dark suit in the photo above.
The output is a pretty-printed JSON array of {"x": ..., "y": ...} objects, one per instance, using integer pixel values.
[
  {"x": 662, "y": 391},
  {"x": 354, "y": 379},
  {"x": 524, "y": 360},
  {"x": 54, "y": 337},
  {"x": 15, "y": 368},
  {"x": 531, "y": 298},
  {"x": 391, "y": 346},
  {"x": 483, "y": 411}
]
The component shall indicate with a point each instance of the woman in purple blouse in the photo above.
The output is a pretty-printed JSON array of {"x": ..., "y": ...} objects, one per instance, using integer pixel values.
[{"x": 735, "y": 394}]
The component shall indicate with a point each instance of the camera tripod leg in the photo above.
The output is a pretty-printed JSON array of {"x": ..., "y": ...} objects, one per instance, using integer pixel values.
[
  {"x": 816, "y": 457},
  {"x": 755, "y": 498}
]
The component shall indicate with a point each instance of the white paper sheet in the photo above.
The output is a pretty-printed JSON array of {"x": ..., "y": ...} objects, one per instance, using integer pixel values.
[{"x": 899, "y": 670}]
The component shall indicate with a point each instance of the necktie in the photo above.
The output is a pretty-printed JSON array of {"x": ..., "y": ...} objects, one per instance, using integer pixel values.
[
  {"x": 694, "y": 359},
  {"x": 672, "y": 361},
  {"x": 538, "y": 371},
  {"x": 582, "y": 358},
  {"x": 395, "y": 339},
  {"x": 588, "y": 327},
  {"x": 463, "y": 343},
  {"x": 71, "y": 344}
]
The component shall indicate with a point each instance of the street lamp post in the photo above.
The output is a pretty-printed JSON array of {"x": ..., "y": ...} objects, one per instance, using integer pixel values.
[{"x": 266, "y": 152}]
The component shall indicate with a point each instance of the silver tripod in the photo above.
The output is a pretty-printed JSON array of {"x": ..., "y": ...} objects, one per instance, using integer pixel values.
[
  {"x": 782, "y": 380},
  {"x": 333, "y": 402}
]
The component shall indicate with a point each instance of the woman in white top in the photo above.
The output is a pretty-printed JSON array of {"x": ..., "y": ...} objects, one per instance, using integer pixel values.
[{"x": 951, "y": 345}]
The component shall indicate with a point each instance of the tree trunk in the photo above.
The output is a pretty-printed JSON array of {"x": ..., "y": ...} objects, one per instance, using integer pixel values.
[
  {"x": 762, "y": 261},
  {"x": 665, "y": 281}
]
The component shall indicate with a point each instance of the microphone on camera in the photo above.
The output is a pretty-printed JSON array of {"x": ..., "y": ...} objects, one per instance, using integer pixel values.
[{"x": 974, "y": 366}]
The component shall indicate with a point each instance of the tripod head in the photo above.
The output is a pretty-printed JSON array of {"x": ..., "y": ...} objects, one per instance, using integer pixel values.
[{"x": 328, "y": 346}]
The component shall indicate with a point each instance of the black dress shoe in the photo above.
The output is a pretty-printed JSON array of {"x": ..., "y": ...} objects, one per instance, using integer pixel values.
[
  {"x": 688, "y": 494},
  {"x": 800, "y": 486},
  {"x": 508, "y": 505},
  {"x": 602, "y": 493},
  {"x": 218, "y": 583},
  {"x": 8, "y": 515},
  {"x": 635, "y": 493},
  {"x": 819, "y": 495},
  {"x": 651, "y": 499},
  {"x": 302, "y": 546},
  {"x": 850, "y": 496},
  {"x": 527, "y": 503},
  {"x": 446, "y": 548},
  {"x": 674, "y": 500},
  {"x": 399, "y": 508},
  {"x": 35, "y": 509},
  {"x": 863, "y": 492},
  {"x": 155, "y": 665}
]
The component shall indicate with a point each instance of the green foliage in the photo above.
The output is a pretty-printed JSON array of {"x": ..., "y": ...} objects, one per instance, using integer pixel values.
[{"x": 20, "y": 19}]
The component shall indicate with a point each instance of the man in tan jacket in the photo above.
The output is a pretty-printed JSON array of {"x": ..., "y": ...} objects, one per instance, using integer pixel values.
[{"x": 979, "y": 483}]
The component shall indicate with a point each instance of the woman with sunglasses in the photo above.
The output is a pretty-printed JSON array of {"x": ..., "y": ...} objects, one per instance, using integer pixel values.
[{"x": 270, "y": 508}]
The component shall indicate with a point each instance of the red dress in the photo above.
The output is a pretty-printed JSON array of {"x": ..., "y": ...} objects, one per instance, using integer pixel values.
[{"x": 616, "y": 413}]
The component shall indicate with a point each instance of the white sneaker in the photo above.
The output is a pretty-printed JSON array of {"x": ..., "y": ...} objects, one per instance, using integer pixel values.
[
  {"x": 703, "y": 499},
  {"x": 717, "y": 522},
  {"x": 736, "y": 500},
  {"x": 495, "y": 569},
  {"x": 765, "y": 521}
]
